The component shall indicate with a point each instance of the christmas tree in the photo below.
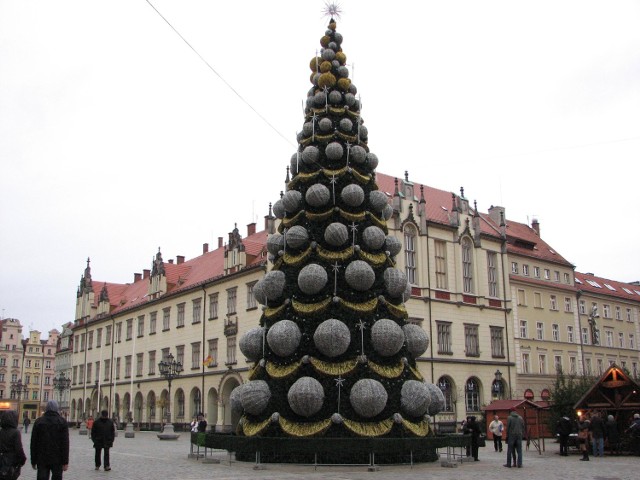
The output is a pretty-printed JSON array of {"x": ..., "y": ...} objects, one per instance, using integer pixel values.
[{"x": 334, "y": 355}]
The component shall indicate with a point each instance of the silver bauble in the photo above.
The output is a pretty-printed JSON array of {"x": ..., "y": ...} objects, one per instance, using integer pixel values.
[
  {"x": 295, "y": 159},
  {"x": 377, "y": 200},
  {"x": 415, "y": 398},
  {"x": 326, "y": 125},
  {"x": 334, "y": 151},
  {"x": 312, "y": 278},
  {"x": 336, "y": 234},
  {"x": 359, "y": 275},
  {"x": 251, "y": 344},
  {"x": 278, "y": 209},
  {"x": 368, "y": 397},
  {"x": 317, "y": 195},
  {"x": 350, "y": 99},
  {"x": 372, "y": 160},
  {"x": 358, "y": 154},
  {"x": 392, "y": 245},
  {"x": 332, "y": 337},
  {"x": 255, "y": 396},
  {"x": 275, "y": 243},
  {"x": 320, "y": 98},
  {"x": 373, "y": 238},
  {"x": 343, "y": 72},
  {"x": 335, "y": 97},
  {"x": 292, "y": 201},
  {"x": 307, "y": 128},
  {"x": 236, "y": 399},
  {"x": 387, "y": 211},
  {"x": 406, "y": 295},
  {"x": 270, "y": 287},
  {"x": 328, "y": 54},
  {"x": 395, "y": 281},
  {"x": 297, "y": 237},
  {"x": 346, "y": 125},
  {"x": 437, "y": 399},
  {"x": 352, "y": 195},
  {"x": 416, "y": 338},
  {"x": 310, "y": 155},
  {"x": 284, "y": 337},
  {"x": 387, "y": 337},
  {"x": 306, "y": 396}
]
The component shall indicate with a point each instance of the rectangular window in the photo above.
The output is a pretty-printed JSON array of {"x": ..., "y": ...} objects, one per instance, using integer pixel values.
[
  {"x": 444, "y": 337},
  {"x": 600, "y": 364},
  {"x": 213, "y": 352},
  {"x": 97, "y": 371},
  {"x": 251, "y": 299},
  {"x": 539, "y": 330},
  {"x": 140, "y": 326},
  {"x": 152, "y": 362},
  {"x": 629, "y": 315},
  {"x": 90, "y": 340},
  {"x": 522, "y": 298},
  {"x": 196, "y": 359},
  {"x": 547, "y": 274},
  {"x": 180, "y": 321},
  {"x": 98, "y": 338},
  {"x": 213, "y": 306},
  {"x": 471, "y": 342},
  {"x": 127, "y": 366},
  {"x": 492, "y": 273},
  {"x": 89, "y": 372},
  {"x": 497, "y": 342},
  {"x": 514, "y": 267},
  {"x": 165, "y": 354},
  {"x": 553, "y": 302},
  {"x": 467, "y": 266},
  {"x": 588, "y": 367},
  {"x": 180, "y": 354},
  {"x": 107, "y": 370},
  {"x": 555, "y": 332},
  {"x": 526, "y": 363},
  {"x": 231, "y": 350},
  {"x": 621, "y": 339},
  {"x": 557, "y": 362},
  {"x": 139, "y": 364},
  {"x": 523, "y": 329},
  {"x": 118, "y": 368},
  {"x": 196, "y": 306},
  {"x": 410, "y": 254},
  {"x": 129, "y": 329},
  {"x": 83, "y": 338},
  {"x": 525, "y": 269},
  {"x": 582, "y": 307},
  {"x": 152, "y": 322},
  {"x": 618, "y": 313},
  {"x": 107, "y": 335},
  {"x": 632, "y": 342},
  {"x": 567, "y": 304},
  {"x": 441, "y": 264},
  {"x": 542, "y": 362},
  {"x": 556, "y": 276},
  {"x": 634, "y": 369},
  {"x": 567, "y": 279},
  {"x": 606, "y": 311},
  {"x": 572, "y": 366},
  {"x": 585, "y": 335},
  {"x": 166, "y": 317},
  {"x": 75, "y": 375},
  {"x": 536, "y": 272},
  {"x": 231, "y": 300},
  {"x": 609, "y": 337},
  {"x": 537, "y": 299}
]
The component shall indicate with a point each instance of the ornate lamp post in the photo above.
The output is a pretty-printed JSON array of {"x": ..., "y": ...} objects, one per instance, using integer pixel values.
[
  {"x": 17, "y": 390},
  {"x": 497, "y": 387},
  {"x": 169, "y": 368},
  {"x": 61, "y": 383}
]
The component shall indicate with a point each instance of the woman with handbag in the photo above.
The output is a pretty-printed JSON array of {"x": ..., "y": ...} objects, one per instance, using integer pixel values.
[
  {"x": 11, "y": 451},
  {"x": 583, "y": 439}
]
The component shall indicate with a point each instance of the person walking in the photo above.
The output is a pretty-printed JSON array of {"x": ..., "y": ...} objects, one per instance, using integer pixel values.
[
  {"x": 11, "y": 443},
  {"x": 583, "y": 438},
  {"x": 563, "y": 429},
  {"x": 103, "y": 433},
  {"x": 596, "y": 428},
  {"x": 496, "y": 427},
  {"x": 50, "y": 444},
  {"x": 613, "y": 435},
  {"x": 26, "y": 424},
  {"x": 472, "y": 428},
  {"x": 515, "y": 432}
]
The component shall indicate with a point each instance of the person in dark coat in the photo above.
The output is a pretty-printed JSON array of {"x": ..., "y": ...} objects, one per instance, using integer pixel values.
[
  {"x": 613, "y": 435},
  {"x": 563, "y": 429},
  {"x": 472, "y": 428},
  {"x": 11, "y": 440},
  {"x": 596, "y": 428},
  {"x": 202, "y": 423},
  {"x": 103, "y": 433},
  {"x": 50, "y": 444}
]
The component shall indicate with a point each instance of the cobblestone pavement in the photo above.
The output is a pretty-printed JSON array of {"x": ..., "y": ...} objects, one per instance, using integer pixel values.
[{"x": 146, "y": 457}]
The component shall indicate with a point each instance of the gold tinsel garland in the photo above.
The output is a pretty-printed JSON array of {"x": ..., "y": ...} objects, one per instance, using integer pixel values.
[
  {"x": 347, "y": 138},
  {"x": 364, "y": 179},
  {"x": 334, "y": 256},
  {"x": 334, "y": 369},
  {"x": 253, "y": 371},
  {"x": 319, "y": 217},
  {"x": 308, "y": 308},
  {"x": 353, "y": 217},
  {"x": 418, "y": 429},
  {"x": 365, "y": 307},
  {"x": 387, "y": 371},
  {"x": 377, "y": 222},
  {"x": 296, "y": 429},
  {"x": 273, "y": 311},
  {"x": 376, "y": 259},
  {"x": 296, "y": 260},
  {"x": 399, "y": 311},
  {"x": 290, "y": 222},
  {"x": 282, "y": 371},
  {"x": 252, "y": 429},
  {"x": 416, "y": 373},
  {"x": 369, "y": 429}
]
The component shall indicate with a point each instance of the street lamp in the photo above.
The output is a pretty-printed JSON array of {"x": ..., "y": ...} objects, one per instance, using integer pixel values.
[
  {"x": 169, "y": 369},
  {"x": 17, "y": 390},
  {"x": 61, "y": 383},
  {"x": 497, "y": 386}
]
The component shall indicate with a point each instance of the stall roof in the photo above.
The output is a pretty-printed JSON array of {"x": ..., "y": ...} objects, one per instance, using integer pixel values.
[
  {"x": 615, "y": 390},
  {"x": 509, "y": 404}
]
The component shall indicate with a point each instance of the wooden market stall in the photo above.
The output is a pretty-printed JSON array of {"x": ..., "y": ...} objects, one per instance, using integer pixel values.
[{"x": 535, "y": 418}]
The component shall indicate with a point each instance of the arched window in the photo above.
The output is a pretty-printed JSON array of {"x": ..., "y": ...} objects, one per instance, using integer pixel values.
[
  {"x": 446, "y": 386},
  {"x": 410, "y": 253},
  {"x": 472, "y": 395},
  {"x": 467, "y": 266},
  {"x": 197, "y": 402}
]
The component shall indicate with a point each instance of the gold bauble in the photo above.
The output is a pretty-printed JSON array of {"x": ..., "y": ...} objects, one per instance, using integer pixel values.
[
  {"x": 314, "y": 64},
  {"x": 327, "y": 80},
  {"x": 341, "y": 57},
  {"x": 324, "y": 41},
  {"x": 344, "y": 84},
  {"x": 325, "y": 67}
]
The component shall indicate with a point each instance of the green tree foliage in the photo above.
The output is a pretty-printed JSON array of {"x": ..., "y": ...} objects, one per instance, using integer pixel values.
[{"x": 565, "y": 392}]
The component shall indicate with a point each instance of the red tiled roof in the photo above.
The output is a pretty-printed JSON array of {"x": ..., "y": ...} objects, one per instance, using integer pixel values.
[
  {"x": 543, "y": 283},
  {"x": 618, "y": 287}
]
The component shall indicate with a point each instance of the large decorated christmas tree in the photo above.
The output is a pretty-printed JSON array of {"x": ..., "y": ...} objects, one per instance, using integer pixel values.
[{"x": 334, "y": 355}]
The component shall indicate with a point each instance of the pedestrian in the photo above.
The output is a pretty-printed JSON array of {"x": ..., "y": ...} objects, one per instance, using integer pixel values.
[
  {"x": 50, "y": 444},
  {"x": 515, "y": 432},
  {"x": 634, "y": 432},
  {"x": 11, "y": 449},
  {"x": 496, "y": 427},
  {"x": 563, "y": 429},
  {"x": 194, "y": 425},
  {"x": 613, "y": 435},
  {"x": 103, "y": 433},
  {"x": 583, "y": 438},
  {"x": 90, "y": 424},
  {"x": 26, "y": 424},
  {"x": 596, "y": 428},
  {"x": 202, "y": 423},
  {"x": 472, "y": 428}
]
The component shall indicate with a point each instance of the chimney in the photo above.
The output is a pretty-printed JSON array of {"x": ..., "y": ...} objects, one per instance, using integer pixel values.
[
  {"x": 146, "y": 273},
  {"x": 494, "y": 214},
  {"x": 219, "y": 242},
  {"x": 171, "y": 261},
  {"x": 251, "y": 229},
  {"x": 137, "y": 277},
  {"x": 179, "y": 259},
  {"x": 205, "y": 248},
  {"x": 535, "y": 225}
]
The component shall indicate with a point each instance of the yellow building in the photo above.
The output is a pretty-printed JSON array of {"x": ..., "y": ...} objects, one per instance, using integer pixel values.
[
  {"x": 11, "y": 350},
  {"x": 37, "y": 372}
]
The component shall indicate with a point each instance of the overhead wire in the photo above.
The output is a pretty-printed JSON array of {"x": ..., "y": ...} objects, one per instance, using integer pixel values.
[{"x": 245, "y": 101}]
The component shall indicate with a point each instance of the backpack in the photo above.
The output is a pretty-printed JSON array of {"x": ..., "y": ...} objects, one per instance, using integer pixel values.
[{"x": 7, "y": 469}]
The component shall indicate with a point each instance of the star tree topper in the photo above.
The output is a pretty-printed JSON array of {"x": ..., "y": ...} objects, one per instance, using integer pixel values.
[{"x": 332, "y": 10}]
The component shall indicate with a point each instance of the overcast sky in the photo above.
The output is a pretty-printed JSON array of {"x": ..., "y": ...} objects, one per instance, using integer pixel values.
[{"x": 117, "y": 139}]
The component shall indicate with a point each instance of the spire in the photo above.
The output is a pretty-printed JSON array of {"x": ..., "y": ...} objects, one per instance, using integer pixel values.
[
  {"x": 88, "y": 282},
  {"x": 157, "y": 267}
]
